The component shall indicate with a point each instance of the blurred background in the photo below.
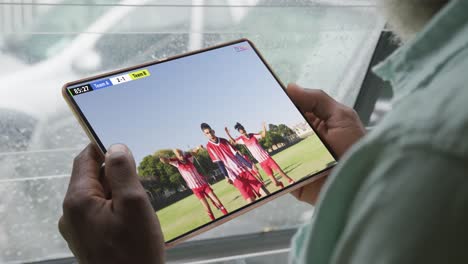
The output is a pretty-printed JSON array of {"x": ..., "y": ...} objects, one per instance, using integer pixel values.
[{"x": 326, "y": 44}]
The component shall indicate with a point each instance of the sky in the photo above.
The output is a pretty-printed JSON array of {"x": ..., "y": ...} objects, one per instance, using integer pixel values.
[{"x": 165, "y": 110}]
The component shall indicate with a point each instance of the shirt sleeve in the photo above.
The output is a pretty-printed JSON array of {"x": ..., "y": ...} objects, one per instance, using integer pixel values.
[
  {"x": 419, "y": 214},
  {"x": 239, "y": 140},
  {"x": 174, "y": 162},
  {"x": 189, "y": 157},
  {"x": 411, "y": 207}
]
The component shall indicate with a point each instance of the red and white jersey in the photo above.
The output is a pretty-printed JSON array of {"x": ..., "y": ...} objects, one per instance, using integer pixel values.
[
  {"x": 189, "y": 172},
  {"x": 252, "y": 144},
  {"x": 223, "y": 151}
]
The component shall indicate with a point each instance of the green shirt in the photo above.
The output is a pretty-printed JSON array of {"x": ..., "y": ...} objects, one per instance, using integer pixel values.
[{"x": 400, "y": 195}]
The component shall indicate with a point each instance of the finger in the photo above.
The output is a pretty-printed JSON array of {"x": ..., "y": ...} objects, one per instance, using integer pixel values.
[
  {"x": 310, "y": 192},
  {"x": 105, "y": 183},
  {"x": 64, "y": 231},
  {"x": 310, "y": 117},
  {"x": 322, "y": 128},
  {"x": 120, "y": 171},
  {"x": 316, "y": 123},
  {"x": 85, "y": 173},
  {"x": 297, "y": 193},
  {"x": 312, "y": 100}
]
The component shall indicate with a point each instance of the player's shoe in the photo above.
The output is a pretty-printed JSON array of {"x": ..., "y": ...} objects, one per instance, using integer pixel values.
[
  {"x": 211, "y": 216},
  {"x": 223, "y": 210},
  {"x": 280, "y": 184}
]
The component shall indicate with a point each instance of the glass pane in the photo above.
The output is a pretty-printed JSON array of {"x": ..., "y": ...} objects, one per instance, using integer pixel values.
[{"x": 45, "y": 43}]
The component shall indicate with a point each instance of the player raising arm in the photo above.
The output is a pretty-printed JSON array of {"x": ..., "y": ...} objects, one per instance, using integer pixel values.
[
  {"x": 250, "y": 140},
  {"x": 224, "y": 155},
  {"x": 195, "y": 181}
]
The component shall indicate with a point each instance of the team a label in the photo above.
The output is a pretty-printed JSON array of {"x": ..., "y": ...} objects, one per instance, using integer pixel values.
[
  {"x": 139, "y": 74},
  {"x": 101, "y": 84}
]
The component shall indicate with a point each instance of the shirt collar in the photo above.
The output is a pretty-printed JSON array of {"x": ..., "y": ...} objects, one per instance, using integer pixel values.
[
  {"x": 413, "y": 65},
  {"x": 215, "y": 142}
]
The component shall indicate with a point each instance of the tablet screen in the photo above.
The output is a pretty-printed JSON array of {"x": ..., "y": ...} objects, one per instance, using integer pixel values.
[{"x": 211, "y": 132}]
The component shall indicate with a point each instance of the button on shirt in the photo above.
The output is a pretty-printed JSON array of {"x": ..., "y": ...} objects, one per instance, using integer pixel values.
[{"x": 400, "y": 195}]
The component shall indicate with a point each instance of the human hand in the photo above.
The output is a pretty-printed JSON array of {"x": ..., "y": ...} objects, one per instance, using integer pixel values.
[
  {"x": 335, "y": 123},
  {"x": 197, "y": 149},
  {"x": 229, "y": 181},
  {"x": 107, "y": 217}
]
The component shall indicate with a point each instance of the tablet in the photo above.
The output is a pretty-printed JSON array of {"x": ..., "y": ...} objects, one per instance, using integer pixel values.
[{"x": 213, "y": 133}]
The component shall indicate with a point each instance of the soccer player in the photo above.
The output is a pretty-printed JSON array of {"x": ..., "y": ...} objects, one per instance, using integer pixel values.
[
  {"x": 250, "y": 140},
  {"x": 253, "y": 170},
  {"x": 252, "y": 166},
  {"x": 226, "y": 157},
  {"x": 195, "y": 181}
]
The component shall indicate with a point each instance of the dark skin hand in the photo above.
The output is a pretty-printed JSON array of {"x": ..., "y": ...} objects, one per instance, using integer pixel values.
[
  {"x": 336, "y": 123},
  {"x": 107, "y": 217}
]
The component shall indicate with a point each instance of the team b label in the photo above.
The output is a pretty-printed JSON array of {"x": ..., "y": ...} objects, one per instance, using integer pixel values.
[{"x": 139, "y": 74}]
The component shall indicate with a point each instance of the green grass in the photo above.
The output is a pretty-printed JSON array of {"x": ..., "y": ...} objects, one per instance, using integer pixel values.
[{"x": 297, "y": 161}]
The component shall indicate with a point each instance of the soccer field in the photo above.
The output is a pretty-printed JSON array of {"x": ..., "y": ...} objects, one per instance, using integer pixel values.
[{"x": 301, "y": 159}]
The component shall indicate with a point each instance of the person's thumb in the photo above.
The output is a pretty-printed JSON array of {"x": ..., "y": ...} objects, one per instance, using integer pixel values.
[
  {"x": 120, "y": 171},
  {"x": 312, "y": 101}
]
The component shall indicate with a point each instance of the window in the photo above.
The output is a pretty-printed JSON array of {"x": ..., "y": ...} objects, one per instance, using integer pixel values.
[
  {"x": 34, "y": 48},
  {"x": 318, "y": 43}
]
